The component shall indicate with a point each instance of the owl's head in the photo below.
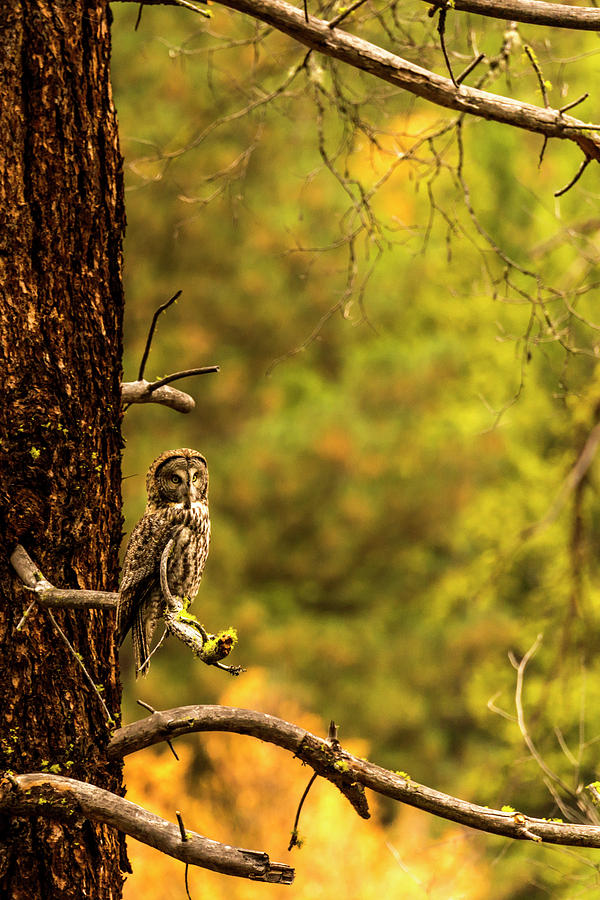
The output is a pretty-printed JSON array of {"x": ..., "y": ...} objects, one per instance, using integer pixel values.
[{"x": 177, "y": 477}]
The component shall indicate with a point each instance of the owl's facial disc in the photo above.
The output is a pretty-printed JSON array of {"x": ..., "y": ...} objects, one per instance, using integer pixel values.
[{"x": 183, "y": 481}]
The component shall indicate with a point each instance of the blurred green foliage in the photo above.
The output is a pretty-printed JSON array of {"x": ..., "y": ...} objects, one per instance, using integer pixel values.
[{"x": 386, "y": 526}]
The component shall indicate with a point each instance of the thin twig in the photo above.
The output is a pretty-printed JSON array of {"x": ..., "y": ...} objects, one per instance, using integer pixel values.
[
  {"x": 153, "y": 651},
  {"x": 153, "y": 711},
  {"x": 542, "y": 151},
  {"x": 294, "y": 842},
  {"x": 184, "y": 836},
  {"x": 346, "y": 13},
  {"x": 161, "y": 309},
  {"x": 538, "y": 72},
  {"x": 441, "y": 28},
  {"x": 25, "y": 616},
  {"x": 186, "y": 373},
  {"x": 77, "y": 656},
  {"x": 577, "y": 473},
  {"x": 521, "y": 667},
  {"x": 469, "y": 68},
  {"x": 139, "y": 16},
  {"x": 574, "y": 103},
  {"x": 491, "y": 705},
  {"x": 585, "y": 163}
]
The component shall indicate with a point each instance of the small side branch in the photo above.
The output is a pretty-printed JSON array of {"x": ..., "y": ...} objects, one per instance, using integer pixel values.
[
  {"x": 534, "y": 12},
  {"x": 346, "y": 771},
  {"x": 142, "y": 391},
  {"x": 54, "y": 796},
  {"x": 47, "y": 595},
  {"x": 582, "y": 167}
]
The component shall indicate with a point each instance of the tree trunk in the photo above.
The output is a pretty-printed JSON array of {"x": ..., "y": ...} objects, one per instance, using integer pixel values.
[{"x": 61, "y": 310}]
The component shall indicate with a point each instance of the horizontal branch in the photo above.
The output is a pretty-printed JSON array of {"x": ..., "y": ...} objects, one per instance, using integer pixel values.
[
  {"x": 335, "y": 764},
  {"x": 48, "y": 595},
  {"x": 144, "y": 392},
  {"x": 533, "y": 12},
  {"x": 318, "y": 35},
  {"x": 52, "y": 796},
  {"x": 316, "y": 752}
]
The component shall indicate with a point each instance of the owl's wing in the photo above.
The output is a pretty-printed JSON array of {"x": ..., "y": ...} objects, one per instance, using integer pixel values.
[{"x": 141, "y": 567}]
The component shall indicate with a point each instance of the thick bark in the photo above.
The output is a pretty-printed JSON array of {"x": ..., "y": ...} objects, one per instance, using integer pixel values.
[{"x": 60, "y": 350}]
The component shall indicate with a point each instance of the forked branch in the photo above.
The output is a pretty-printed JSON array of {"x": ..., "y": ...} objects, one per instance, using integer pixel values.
[
  {"x": 142, "y": 391},
  {"x": 318, "y": 35},
  {"x": 534, "y": 12},
  {"x": 54, "y": 796},
  {"x": 348, "y": 772}
]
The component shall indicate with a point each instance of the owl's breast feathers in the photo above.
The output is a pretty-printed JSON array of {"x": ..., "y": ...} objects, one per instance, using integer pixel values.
[{"x": 191, "y": 535}]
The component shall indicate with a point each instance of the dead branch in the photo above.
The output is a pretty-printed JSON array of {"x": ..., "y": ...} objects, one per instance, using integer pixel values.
[
  {"x": 209, "y": 648},
  {"x": 361, "y": 54},
  {"x": 347, "y": 771},
  {"x": 55, "y": 796},
  {"x": 534, "y": 12},
  {"x": 322, "y": 755},
  {"x": 317, "y": 35},
  {"x": 142, "y": 391},
  {"x": 150, "y": 392},
  {"x": 47, "y": 595}
]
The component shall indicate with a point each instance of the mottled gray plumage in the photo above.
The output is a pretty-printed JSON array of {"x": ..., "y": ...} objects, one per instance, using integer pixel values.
[{"x": 177, "y": 486}]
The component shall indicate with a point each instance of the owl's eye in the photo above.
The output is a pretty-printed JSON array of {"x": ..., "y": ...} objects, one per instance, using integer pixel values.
[
  {"x": 194, "y": 477},
  {"x": 175, "y": 479}
]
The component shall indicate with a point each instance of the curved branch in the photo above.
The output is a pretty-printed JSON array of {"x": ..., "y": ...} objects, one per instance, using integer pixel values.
[
  {"x": 534, "y": 12},
  {"x": 47, "y": 595},
  {"x": 321, "y": 754},
  {"x": 145, "y": 392},
  {"x": 317, "y": 34},
  {"x": 39, "y": 793},
  {"x": 346, "y": 771}
]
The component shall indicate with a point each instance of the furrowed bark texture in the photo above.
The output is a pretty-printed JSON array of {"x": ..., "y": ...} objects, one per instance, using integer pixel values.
[{"x": 61, "y": 304}]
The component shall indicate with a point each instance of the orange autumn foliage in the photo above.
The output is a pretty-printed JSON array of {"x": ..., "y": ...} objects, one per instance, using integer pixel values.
[{"x": 241, "y": 791}]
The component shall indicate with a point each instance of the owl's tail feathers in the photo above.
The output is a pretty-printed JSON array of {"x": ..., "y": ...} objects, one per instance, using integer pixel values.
[
  {"x": 123, "y": 623},
  {"x": 141, "y": 645}
]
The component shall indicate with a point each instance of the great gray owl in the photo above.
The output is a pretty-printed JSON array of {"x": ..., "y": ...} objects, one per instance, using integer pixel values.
[{"x": 177, "y": 486}]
